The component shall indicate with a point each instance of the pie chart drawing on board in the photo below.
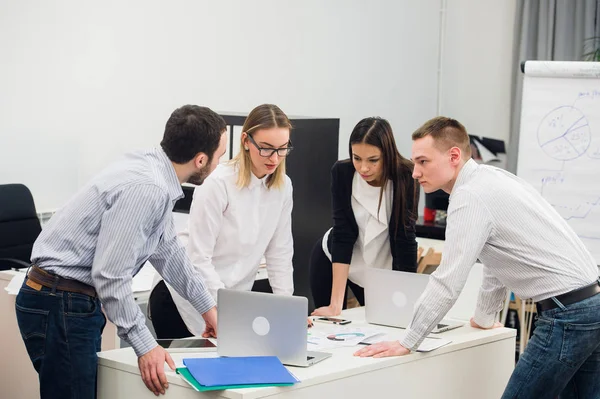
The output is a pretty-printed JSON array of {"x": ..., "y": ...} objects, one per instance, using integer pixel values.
[{"x": 564, "y": 133}]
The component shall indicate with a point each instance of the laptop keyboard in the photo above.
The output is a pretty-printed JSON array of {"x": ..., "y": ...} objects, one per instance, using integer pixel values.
[{"x": 310, "y": 357}]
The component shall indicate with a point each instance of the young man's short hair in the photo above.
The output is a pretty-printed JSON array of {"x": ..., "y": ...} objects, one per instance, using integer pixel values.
[
  {"x": 192, "y": 129},
  {"x": 446, "y": 133}
]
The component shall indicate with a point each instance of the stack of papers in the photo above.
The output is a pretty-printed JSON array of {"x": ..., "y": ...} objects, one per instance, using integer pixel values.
[{"x": 210, "y": 374}]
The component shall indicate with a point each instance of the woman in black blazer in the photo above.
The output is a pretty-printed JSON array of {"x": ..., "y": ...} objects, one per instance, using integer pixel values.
[{"x": 374, "y": 212}]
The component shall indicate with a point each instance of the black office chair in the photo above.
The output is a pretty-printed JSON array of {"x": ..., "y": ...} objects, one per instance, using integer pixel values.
[{"x": 19, "y": 226}]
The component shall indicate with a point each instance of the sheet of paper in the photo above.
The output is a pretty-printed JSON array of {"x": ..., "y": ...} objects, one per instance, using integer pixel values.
[
  {"x": 15, "y": 284},
  {"x": 429, "y": 344},
  {"x": 486, "y": 155},
  {"x": 338, "y": 336}
]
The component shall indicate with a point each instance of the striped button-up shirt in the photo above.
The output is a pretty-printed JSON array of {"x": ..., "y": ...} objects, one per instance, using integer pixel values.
[
  {"x": 520, "y": 238},
  {"x": 103, "y": 236}
]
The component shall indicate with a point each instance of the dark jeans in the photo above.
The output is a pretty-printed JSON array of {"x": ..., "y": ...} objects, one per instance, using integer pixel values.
[
  {"x": 166, "y": 320},
  {"x": 321, "y": 279},
  {"x": 563, "y": 356},
  {"x": 62, "y": 333}
]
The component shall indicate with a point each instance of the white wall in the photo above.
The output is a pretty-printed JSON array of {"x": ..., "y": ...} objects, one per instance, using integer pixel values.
[
  {"x": 477, "y": 63},
  {"x": 81, "y": 83}
]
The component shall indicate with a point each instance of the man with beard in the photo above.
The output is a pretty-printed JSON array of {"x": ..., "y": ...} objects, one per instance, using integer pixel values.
[{"x": 85, "y": 258}]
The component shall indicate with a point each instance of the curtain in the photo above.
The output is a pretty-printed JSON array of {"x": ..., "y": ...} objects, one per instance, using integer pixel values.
[{"x": 548, "y": 30}]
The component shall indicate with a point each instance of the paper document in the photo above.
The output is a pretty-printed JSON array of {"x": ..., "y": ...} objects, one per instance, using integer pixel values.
[
  {"x": 432, "y": 343},
  {"x": 429, "y": 344},
  {"x": 15, "y": 284},
  {"x": 486, "y": 155},
  {"x": 336, "y": 336}
]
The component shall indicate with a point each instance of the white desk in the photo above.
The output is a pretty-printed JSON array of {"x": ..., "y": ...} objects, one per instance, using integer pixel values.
[{"x": 477, "y": 364}]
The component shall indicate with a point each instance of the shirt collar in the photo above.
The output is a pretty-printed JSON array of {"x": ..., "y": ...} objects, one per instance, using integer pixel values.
[
  {"x": 468, "y": 169},
  {"x": 168, "y": 171},
  {"x": 256, "y": 182}
]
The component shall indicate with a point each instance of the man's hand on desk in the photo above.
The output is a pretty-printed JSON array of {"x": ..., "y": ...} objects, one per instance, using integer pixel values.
[
  {"x": 152, "y": 367},
  {"x": 330, "y": 310},
  {"x": 475, "y": 325},
  {"x": 383, "y": 349},
  {"x": 210, "y": 318}
]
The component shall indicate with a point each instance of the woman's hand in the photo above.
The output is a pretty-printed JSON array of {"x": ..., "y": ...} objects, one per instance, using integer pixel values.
[{"x": 330, "y": 310}]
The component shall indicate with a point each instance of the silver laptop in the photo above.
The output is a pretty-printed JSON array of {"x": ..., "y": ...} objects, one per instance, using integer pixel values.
[
  {"x": 259, "y": 324},
  {"x": 390, "y": 298}
]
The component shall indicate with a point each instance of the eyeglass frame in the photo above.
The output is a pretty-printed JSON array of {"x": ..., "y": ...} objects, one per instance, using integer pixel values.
[{"x": 288, "y": 149}]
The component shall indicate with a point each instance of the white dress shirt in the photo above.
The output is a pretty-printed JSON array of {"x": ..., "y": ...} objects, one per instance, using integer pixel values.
[
  {"x": 229, "y": 231},
  {"x": 523, "y": 242},
  {"x": 372, "y": 247}
]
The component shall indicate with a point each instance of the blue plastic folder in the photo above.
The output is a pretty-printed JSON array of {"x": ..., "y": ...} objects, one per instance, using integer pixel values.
[
  {"x": 185, "y": 374},
  {"x": 222, "y": 371}
]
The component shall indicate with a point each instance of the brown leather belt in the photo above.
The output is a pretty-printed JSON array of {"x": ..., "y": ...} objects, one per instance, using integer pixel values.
[
  {"x": 50, "y": 280},
  {"x": 570, "y": 297}
]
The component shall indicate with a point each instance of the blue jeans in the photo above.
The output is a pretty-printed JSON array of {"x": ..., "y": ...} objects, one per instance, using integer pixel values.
[
  {"x": 62, "y": 333},
  {"x": 562, "y": 359}
]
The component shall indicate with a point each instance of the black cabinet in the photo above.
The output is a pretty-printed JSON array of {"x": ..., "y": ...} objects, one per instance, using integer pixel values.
[
  {"x": 433, "y": 230},
  {"x": 315, "y": 143}
]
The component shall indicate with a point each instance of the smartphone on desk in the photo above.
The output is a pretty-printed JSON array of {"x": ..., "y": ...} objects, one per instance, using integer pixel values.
[
  {"x": 187, "y": 345},
  {"x": 333, "y": 320}
]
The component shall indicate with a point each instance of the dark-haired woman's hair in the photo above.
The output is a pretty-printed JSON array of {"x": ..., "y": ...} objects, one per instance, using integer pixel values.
[{"x": 378, "y": 132}]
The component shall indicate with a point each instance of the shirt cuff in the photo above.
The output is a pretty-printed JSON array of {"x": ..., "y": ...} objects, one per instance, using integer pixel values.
[
  {"x": 204, "y": 302},
  {"x": 484, "y": 320},
  {"x": 142, "y": 341},
  {"x": 412, "y": 340}
]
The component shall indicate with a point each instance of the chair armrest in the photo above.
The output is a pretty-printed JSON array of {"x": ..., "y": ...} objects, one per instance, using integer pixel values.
[{"x": 10, "y": 263}]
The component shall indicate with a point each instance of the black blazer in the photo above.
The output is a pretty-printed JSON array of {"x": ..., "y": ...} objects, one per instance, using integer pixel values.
[{"x": 345, "y": 229}]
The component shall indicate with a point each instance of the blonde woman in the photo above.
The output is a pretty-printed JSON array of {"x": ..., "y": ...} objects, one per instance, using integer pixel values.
[{"x": 241, "y": 213}]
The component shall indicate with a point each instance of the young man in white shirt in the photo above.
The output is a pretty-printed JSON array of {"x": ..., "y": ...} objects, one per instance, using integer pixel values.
[{"x": 526, "y": 246}]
